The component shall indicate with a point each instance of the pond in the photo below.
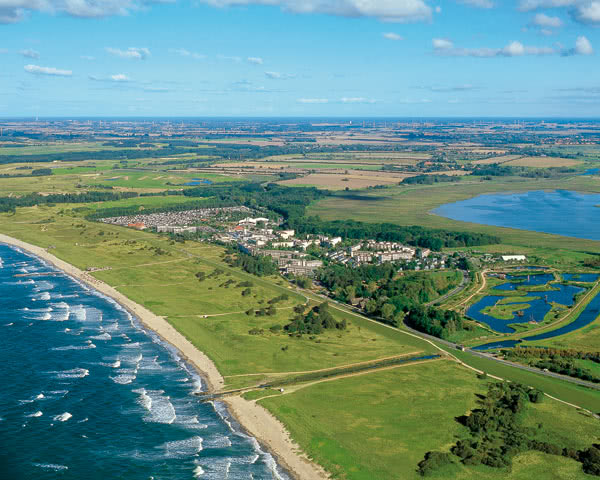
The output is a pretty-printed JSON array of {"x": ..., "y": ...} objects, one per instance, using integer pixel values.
[
  {"x": 540, "y": 305},
  {"x": 589, "y": 314}
]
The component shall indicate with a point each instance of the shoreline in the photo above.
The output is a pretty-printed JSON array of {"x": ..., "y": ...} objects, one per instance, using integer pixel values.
[{"x": 253, "y": 418}]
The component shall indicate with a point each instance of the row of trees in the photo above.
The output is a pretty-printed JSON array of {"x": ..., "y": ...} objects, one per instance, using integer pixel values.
[
  {"x": 434, "y": 239},
  {"x": 555, "y": 360}
]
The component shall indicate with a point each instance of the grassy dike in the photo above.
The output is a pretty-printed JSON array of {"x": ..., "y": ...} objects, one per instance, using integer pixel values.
[{"x": 374, "y": 425}]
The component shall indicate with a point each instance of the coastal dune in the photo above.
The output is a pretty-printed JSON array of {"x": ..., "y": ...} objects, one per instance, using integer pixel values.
[{"x": 252, "y": 417}]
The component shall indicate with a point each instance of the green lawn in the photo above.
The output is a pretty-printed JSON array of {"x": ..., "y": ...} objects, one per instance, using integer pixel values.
[{"x": 380, "y": 425}]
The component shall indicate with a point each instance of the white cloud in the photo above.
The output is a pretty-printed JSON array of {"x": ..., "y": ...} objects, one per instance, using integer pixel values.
[
  {"x": 445, "y": 47},
  {"x": 120, "y": 77},
  {"x": 543, "y": 20},
  {"x": 582, "y": 11},
  {"x": 392, "y": 36},
  {"x": 87, "y": 57},
  {"x": 386, "y": 10},
  {"x": 132, "y": 52},
  {"x": 12, "y": 11},
  {"x": 478, "y": 3},
  {"x": 588, "y": 12},
  {"x": 255, "y": 60},
  {"x": 37, "y": 70},
  {"x": 186, "y": 53},
  {"x": 279, "y": 75},
  {"x": 442, "y": 44},
  {"x": 29, "y": 53},
  {"x": 528, "y": 5},
  {"x": 313, "y": 100},
  {"x": 583, "y": 46},
  {"x": 356, "y": 100}
]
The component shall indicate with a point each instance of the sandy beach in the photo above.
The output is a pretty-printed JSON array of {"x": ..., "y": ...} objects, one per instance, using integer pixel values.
[{"x": 255, "y": 419}]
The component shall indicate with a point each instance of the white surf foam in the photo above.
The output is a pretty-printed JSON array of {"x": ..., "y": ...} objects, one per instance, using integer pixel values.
[
  {"x": 72, "y": 373},
  {"x": 74, "y": 347},
  {"x": 103, "y": 336},
  {"x": 182, "y": 448},
  {"x": 63, "y": 417},
  {"x": 51, "y": 466},
  {"x": 36, "y": 414},
  {"x": 198, "y": 471}
]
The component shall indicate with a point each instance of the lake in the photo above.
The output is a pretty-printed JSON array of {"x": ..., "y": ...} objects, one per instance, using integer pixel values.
[{"x": 561, "y": 212}]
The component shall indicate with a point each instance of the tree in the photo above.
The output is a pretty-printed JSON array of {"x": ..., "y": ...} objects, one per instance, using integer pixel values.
[{"x": 387, "y": 311}]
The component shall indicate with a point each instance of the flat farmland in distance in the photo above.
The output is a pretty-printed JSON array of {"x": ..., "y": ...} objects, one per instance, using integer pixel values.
[
  {"x": 500, "y": 159},
  {"x": 340, "y": 182},
  {"x": 544, "y": 162}
]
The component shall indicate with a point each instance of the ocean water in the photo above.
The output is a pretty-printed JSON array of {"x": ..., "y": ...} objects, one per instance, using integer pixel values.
[
  {"x": 560, "y": 212},
  {"x": 87, "y": 393}
]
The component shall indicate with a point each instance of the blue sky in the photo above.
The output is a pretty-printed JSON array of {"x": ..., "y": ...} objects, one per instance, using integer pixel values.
[{"x": 299, "y": 58}]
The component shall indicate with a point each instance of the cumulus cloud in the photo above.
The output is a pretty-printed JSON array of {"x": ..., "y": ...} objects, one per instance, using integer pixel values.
[
  {"x": 392, "y": 36},
  {"x": 582, "y": 11},
  {"x": 588, "y": 12},
  {"x": 582, "y": 47},
  {"x": 12, "y": 11},
  {"x": 313, "y": 100},
  {"x": 29, "y": 53},
  {"x": 132, "y": 52},
  {"x": 444, "y": 47},
  {"x": 545, "y": 21},
  {"x": 386, "y": 10},
  {"x": 182, "y": 52},
  {"x": 37, "y": 70},
  {"x": 255, "y": 60}
]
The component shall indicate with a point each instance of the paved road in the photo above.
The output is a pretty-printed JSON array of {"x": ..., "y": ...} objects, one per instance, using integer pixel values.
[{"x": 476, "y": 353}]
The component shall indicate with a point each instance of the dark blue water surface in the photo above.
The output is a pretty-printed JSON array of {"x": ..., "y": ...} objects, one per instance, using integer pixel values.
[
  {"x": 561, "y": 212},
  {"x": 589, "y": 314},
  {"x": 580, "y": 277},
  {"x": 592, "y": 171},
  {"x": 565, "y": 295},
  {"x": 525, "y": 280},
  {"x": 88, "y": 394}
]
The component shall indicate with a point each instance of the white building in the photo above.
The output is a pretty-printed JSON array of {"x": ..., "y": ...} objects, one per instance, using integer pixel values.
[{"x": 514, "y": 258}]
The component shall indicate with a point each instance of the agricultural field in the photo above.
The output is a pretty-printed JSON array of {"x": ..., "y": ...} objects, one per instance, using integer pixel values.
[
  {"x": 541, "y": 162},
  {"x": 342, "y": 181}
]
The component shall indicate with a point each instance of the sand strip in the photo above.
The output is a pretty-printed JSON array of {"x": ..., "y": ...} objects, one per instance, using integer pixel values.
[{"x": 252, "y": 417}]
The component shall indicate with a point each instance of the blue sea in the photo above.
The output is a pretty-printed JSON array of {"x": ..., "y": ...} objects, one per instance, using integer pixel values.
[{"x": 87, "y": 393}]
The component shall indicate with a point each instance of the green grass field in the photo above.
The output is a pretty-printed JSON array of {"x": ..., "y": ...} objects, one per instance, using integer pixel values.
[{"x": 380, "y": 425}]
